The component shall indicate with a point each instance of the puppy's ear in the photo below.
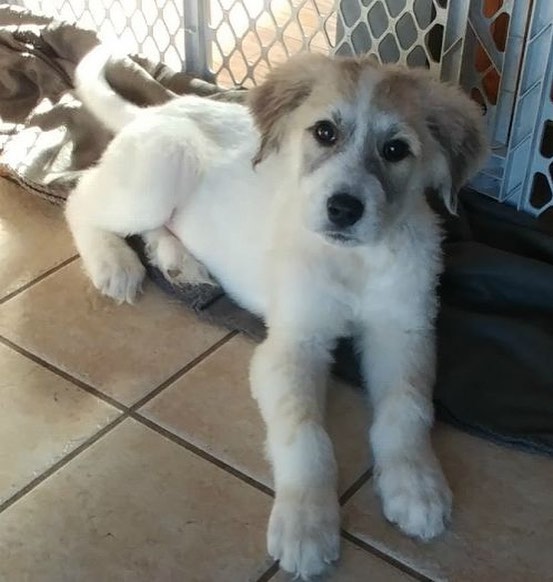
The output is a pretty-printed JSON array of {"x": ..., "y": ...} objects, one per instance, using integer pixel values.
[
  {"x": 285, "y": 89},
  {"x": 456, "y": 122}
]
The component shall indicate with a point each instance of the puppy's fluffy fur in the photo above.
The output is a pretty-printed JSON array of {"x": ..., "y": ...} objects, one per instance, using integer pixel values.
[{"x": 321, "y": 228}]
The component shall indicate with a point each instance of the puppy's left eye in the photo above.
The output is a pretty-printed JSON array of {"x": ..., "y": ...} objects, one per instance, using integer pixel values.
[
  {"x": 325, "y": 132},
  {"x": 395, "y": 150}
]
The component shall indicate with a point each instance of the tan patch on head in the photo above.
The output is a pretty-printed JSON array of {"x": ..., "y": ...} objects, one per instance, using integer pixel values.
[
  {"x": 348, "y": 73},
  {"x": 398, "y": 90},
  {"x": 347, "y": 80},
  {"x": 316, "y": 77},
  {"x": 285, "y": 89},
  {"x": 450, "y": 116}
]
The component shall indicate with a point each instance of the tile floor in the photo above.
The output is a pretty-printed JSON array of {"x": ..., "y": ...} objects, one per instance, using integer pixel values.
[{"x": 130, "y": 449}]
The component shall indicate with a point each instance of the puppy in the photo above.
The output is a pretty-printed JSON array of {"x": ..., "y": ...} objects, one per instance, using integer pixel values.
[{"x": 308, "y": 206}]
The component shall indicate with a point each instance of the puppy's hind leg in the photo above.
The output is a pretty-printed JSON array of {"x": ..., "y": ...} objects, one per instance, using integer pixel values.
[
  {"x": 112, "y": 202},
  {"x": 166, "y": 252}
]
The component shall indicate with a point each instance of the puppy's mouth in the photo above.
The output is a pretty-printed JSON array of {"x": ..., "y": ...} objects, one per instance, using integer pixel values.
[{"x": 341, "y": 239}]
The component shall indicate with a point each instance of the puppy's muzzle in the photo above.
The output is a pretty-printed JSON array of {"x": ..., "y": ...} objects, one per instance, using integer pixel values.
[{"x": 344, "y": 209}]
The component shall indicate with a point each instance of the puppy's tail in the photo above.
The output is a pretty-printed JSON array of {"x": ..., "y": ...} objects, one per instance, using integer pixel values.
[{"x": 96, "y": 93}]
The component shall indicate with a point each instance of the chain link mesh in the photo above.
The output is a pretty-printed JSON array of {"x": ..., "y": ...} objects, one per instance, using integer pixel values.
[
  {"x": 152, "y": 27},
  {"x": 247, "y": 37},
  {"x": 477, "y": 43}
]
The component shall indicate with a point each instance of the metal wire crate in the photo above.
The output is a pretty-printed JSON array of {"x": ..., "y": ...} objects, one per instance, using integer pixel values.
[
  {"x": 152, "y": 27},
  {"x": 498, "y": 50}
]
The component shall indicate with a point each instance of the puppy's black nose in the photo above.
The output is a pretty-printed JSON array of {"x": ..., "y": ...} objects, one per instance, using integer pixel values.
[{"x": 344, "y": 209}]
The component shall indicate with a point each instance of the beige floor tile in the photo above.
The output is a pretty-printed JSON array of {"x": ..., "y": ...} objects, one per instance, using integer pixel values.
[
  {"x": 136, "y": 507},
  {"x": 123, "y": 350},
  {"x": 211, "y": 406},
  {"x": 43, "y": 418},
  {"x": 503, "y": 516},
  {"x": 356, "y": 565},
  {"x": 33, "y": 237}
]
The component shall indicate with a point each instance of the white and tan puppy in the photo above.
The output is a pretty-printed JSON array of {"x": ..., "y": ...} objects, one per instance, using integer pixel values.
[{"x": 308, "y": 206}]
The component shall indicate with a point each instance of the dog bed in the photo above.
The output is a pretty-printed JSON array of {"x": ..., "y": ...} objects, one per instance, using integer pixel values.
[{"x": 495, "y": 328}]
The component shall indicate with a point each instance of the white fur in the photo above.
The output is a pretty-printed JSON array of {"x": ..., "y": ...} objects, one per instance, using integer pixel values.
[{"x": 187, "y": 166}]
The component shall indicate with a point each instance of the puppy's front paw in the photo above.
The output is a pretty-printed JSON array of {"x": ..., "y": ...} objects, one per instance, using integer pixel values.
[
  {"x": 415, "y": 496},
  {"x": 304, "y": 532},
  {"x": 118, "y": 275}
]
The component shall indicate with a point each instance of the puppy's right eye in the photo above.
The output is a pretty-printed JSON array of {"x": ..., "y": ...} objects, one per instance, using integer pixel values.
[
  {"x": 325, "y": 132},
  {"x": 395, "y": 150}
]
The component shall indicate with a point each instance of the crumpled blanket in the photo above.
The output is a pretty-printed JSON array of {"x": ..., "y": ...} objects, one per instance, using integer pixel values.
[
  {"x": 47, "y": 138},
  {"x": 495, "y": 328}
]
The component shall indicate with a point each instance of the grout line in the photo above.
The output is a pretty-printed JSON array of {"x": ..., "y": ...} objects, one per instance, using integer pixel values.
[
  {"x": 201, "y": 453},
  {"x": 186, "y": 368},
  {"x": 38, "y": 279},
  {"x": 269, "y": 573},
  {"x": 61, "y": 463},
  {"x": 354, "y": 488},
  {"x": 385, "y": 557},
  {"x": 55, "y": 370},
  {"x": 126, "y": 413},
  {"x": 131, "y": 412},
  {"x": 105, "y": 397}
]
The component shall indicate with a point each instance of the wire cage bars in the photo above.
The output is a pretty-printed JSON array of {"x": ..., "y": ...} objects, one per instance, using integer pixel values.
[{"x": 500, "y": 51}]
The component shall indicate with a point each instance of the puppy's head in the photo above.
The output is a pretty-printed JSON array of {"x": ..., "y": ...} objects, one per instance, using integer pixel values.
[{"x": 365, "y": 142}]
